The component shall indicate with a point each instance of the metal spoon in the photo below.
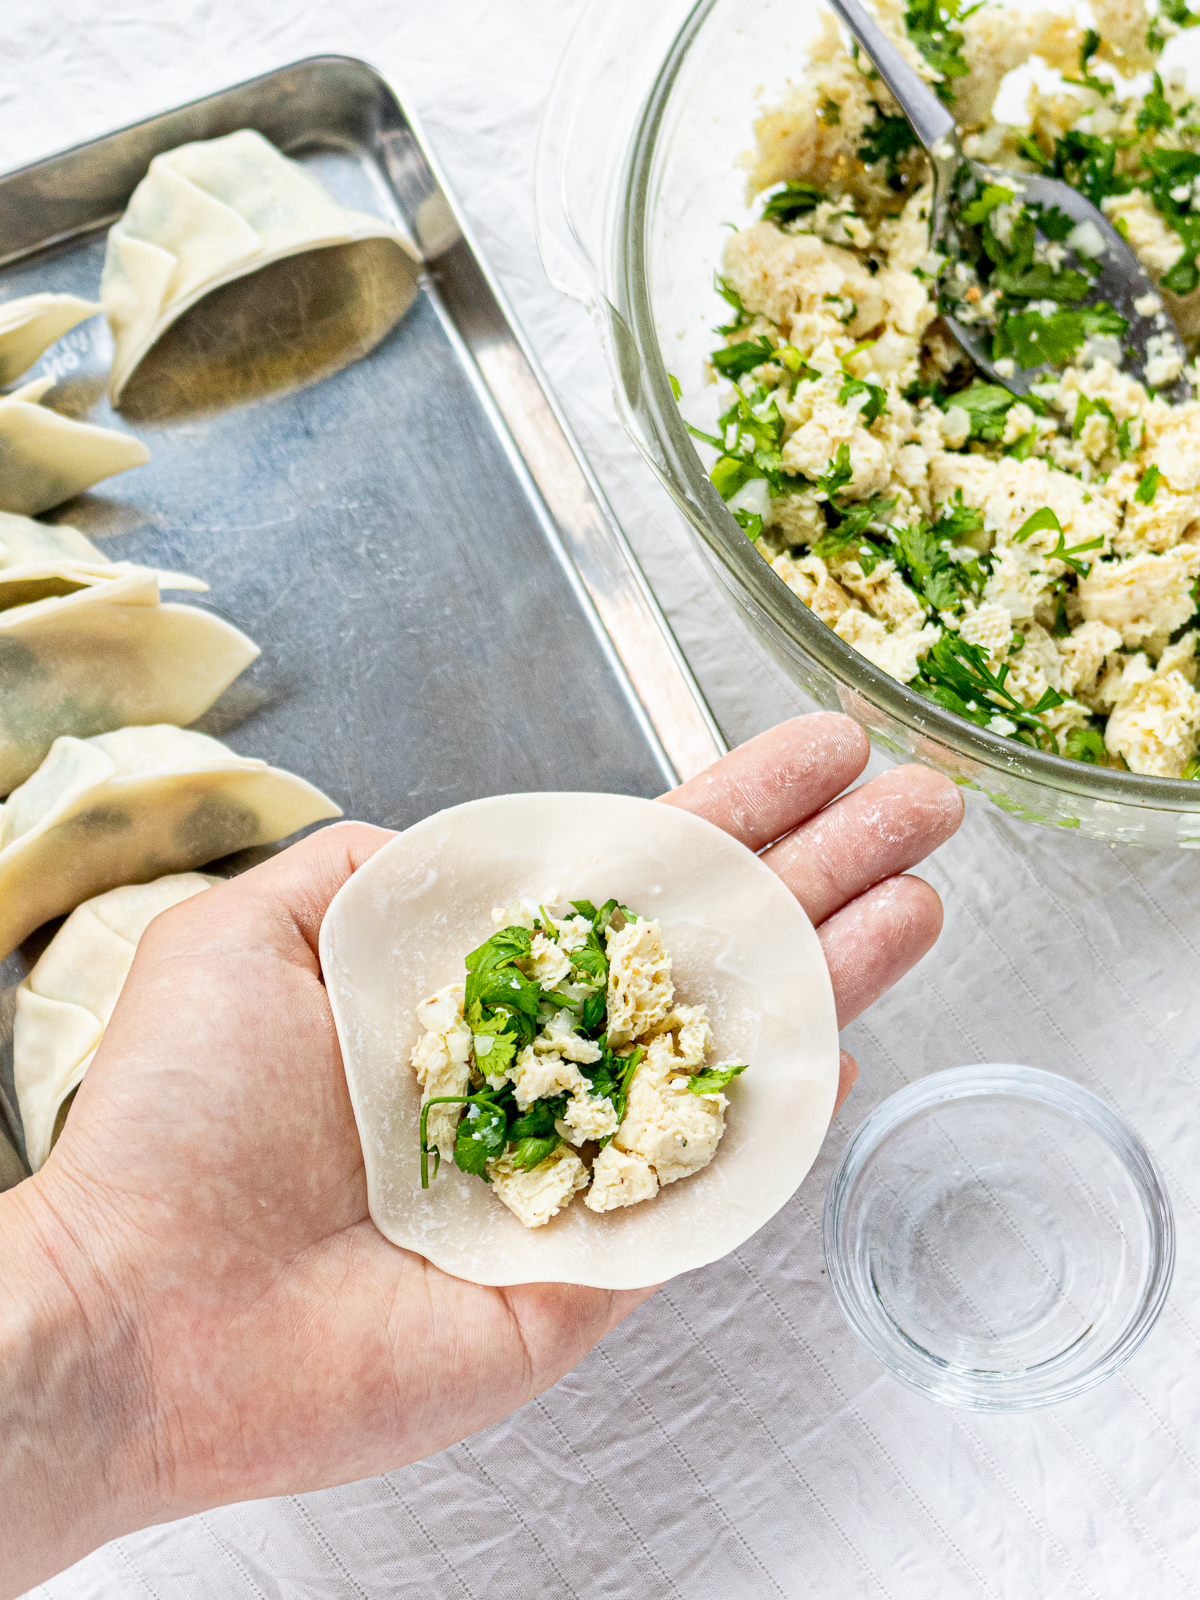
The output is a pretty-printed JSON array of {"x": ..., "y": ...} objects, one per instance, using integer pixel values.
[{"x": 1122, "y": 280}]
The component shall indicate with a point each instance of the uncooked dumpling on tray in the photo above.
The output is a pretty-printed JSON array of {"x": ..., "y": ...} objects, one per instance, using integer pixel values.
[
  {"x": 129, "y": 806},
  {"x": 220, "y": 211},
  {"x": 63, "y": 1006},
  {"x": 30, "y": 325},
  {"x": 747, "y": 982},
  {"x": 110, "y": 655},
  {"x": 45, "y": 458},
  {"x": 40, "y": 559}
]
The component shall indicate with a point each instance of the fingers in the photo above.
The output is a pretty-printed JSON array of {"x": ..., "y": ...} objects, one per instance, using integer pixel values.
[
  {"x": 291, "y": 891},
  {"x": 881, "y": 829},
  {"x": 871, "y": 943},
  {"x": 847, "y": 1078},
  {"x": 769, "y": 785}
]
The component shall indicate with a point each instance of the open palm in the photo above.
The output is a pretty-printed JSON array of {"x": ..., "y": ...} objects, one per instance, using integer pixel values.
[{"x": 206, "y": 1203}]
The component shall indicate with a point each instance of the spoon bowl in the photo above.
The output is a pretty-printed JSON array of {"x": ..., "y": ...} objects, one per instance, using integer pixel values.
[{"x": 1121, "y": 283}]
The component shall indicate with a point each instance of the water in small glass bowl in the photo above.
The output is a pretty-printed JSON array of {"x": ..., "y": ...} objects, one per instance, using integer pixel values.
[{"x": 998, "y": 1237}]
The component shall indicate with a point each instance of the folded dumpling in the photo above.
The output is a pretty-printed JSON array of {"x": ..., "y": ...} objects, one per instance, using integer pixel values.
[
  {"x": 46, "y": 458},
  {"x": 214, "y": 211},
  {"x": 39, "y": 559},
  {"x": 30, "y": 325},
  {"x": 129, "y": 806},
  {"x": 64, "y": 1004},
  {"x": 110, "y": 655}
]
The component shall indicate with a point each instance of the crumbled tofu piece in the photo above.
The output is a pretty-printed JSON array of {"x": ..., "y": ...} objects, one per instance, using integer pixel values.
[
  {"x": 990, "y": 627},
  {"x": 1164, "y": 360},
  {"x": 1084, "y": 652},
  {"x": 1156, "y": 246},
  {"x": 620, "y": 1179},
  {"x": 559, "y": 1036},
  {"x": 800, "y": 283},
  {"x": 521, "y": 914},
  {"x": 535, "y": 1076},
  {"x": 587, "y": 1117},
  {"x": 895, "y": 651},
  {"x": 640, "y": 991},
  {"x": 1156, "y": 712},
  {"x": 572, "y": 933},
  {"x": 810, "y": 579},
  {"x": 442, "y": 1010},
  {"x": 1142, "y": 596},
  {"x": 550, "y": 964},
  {"x": 539, "y": 1194},
  {"x": 441, "y": 1059},
  {"x": 694, "y": 1035},
  {"x": 676, "y": 1131}
]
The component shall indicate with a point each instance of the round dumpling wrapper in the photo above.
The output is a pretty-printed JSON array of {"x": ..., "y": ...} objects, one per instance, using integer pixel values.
[{"x": 741, "y": 945}]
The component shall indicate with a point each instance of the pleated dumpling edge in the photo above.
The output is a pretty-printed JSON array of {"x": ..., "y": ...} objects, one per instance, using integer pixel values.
[
  {"x": 47, "y": 458},
  {"x": 64, "y": 1004},
  {"x": 205, "y": 214},
  {"x": 130, "y": 806}
]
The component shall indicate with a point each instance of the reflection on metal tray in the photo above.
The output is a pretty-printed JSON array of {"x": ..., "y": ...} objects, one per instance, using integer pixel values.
[{"x": 445, "y": 606}]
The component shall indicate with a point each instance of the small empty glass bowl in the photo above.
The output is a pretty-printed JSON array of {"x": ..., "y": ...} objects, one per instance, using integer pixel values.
[{"x": 998, "y": 1238}]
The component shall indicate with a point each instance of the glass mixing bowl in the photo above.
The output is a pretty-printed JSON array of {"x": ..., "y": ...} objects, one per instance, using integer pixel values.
[{"x": 637, "y": 175}]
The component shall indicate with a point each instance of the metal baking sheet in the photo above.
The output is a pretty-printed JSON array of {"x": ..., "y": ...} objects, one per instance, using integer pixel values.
[{"x": 445, "y": 605}]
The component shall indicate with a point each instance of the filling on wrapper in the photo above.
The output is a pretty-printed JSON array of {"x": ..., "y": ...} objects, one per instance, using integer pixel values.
[
  {"x": 564, "y": 1063},
  {"x": 1031, "y": 565},
  {"x": 740, "y": 947}
]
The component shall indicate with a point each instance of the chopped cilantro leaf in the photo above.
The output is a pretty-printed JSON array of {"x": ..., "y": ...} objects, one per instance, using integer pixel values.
[
  {"x": 847, "y": 523},
  {"x": 928, "y": 23},
  {"x": 876, "y": 398},
  {"x": 887, "y": 139},
  {"x": 1041, "y": 521},
  {"x": 714, "y": 1079},
  {"x": 922, "y": 556},
  {"x": 730, "y": 473},
  {"x": 1155, "y": 110},
  {"x": 1148, "y": 487},
  {"x": 956, "y": 674},
  {"x": 610, "y": 1077},
  {"x": 1171, "y": 170},
  {"x": 534, "y": 1134},
  {"x": 1034, "y": 339},
  {"x": 1055, "y": 224},
  {"x": 736, "y": 360},
  {"x": 1085, "y": 744},
  {"x": 1086, "y": 407},
  {"x": 496, "y": 1039},
  {"x": 1088, "y": 163},
  {"x": 992, "y": 197},
  {"x": 494, "y": 978},
  {"x": 987, "y": 405},
  {"x": 837, "y": 474},
  {"x": 529, "y": 1153},
  {"x": 742, "y": 317},
  {"x": 794, "y": 200},
  {"x": 1046, "y": 521},
  {"x": 1041, "y": 282},
  {"x": 481, "y": 1137},
  {"x": 675, "y": 388}
]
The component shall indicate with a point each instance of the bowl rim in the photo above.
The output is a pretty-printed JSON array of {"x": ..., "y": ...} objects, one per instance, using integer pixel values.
[
  {"x": 1034, "y": 1387},
  {"x": 647, "y": 390}
]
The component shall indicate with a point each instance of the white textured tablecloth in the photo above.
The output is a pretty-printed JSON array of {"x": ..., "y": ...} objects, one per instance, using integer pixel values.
[{"x": 731, "y": 1440}]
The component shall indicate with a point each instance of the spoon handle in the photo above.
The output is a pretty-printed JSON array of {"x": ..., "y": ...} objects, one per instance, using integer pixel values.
[{"x": 931, "y": 121}]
